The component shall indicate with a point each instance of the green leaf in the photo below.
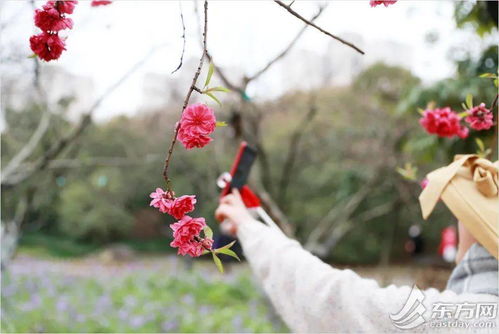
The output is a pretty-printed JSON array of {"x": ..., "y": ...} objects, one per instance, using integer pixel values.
[
  {"x": 218, "y": 89},
  {"x": 218, "y": 263},
  {"x": 210, "y": 74},
  {"x": 465, "y": 107},
  {"x": 214, "y": 98},
  {"x": 469, "y": 101},
  {"x": 420, "y": 111},
  {"x": 32, "y": 56},
  {"x": 221, "y": 124},
  {"x": 208, "y": 233},
  {"x": 229, "y": 245},
  {"x": 463, "y": 114},
  {"x": 205, "y": 252},
  {"x": 480, "y": 144},
  {"x": 496, "y": 82},
  {"x": 227, "y": 251},
  {"x": 488, "y": 75},
  {"x": 409, "y": 172}
]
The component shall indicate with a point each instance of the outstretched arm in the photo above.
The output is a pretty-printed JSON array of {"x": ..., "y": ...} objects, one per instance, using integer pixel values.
[{"x": 312, "y": 296}]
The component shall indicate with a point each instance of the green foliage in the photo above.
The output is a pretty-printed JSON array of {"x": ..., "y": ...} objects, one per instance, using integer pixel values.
[
  {"x": 93, "y": 210},
  {"x": 140, "y": 302}
]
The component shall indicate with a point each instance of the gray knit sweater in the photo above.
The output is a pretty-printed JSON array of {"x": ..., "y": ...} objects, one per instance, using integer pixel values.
[{"x": 314, "y": 297}]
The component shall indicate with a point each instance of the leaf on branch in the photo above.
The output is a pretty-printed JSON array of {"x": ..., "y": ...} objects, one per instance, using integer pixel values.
[
  {"x": 496, "y": 82},
  {"x": 469, "y": 101},
  {"x": 221, "y": 124},
  {"x": 420, "y": 111},
  {"x": 210, "y": 74},
  {"x": 32, "y": 56},
  {"x": 480, "y": 144},
  {"x": 409, "y": 172},
  {"x": 465, "y": 107},
  {"x": 208, "y": 233},
  {"x": 488, "y": 75},
  {"x": 229, "y": 245},
  {"x": 227, "y": 251},
  {"x": 214, "y": 98},
  {"x": 463, "y": 114},
  {"x": 217, "y": 89},
  {"x": 218, "y": 263},
  {"x": 205, "y": 252}
]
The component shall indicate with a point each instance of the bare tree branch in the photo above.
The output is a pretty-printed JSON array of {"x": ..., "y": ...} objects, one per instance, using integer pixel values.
[
  {"x": 192, "y": 88},
  {"x": 294, "y": 144},
  {"x": 339, "y": 39},
  {"x": 57, "y": 147},
  {"x": 183, "y": 37},
  {"x": 287, "y": 49}
]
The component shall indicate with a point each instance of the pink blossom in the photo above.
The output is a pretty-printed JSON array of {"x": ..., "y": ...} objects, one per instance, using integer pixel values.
[
  {"x": 96, "y": 3},
  {"x": 161, "y": 200},
  {"x": 443, "y": 122},
  {"x": 374, "y": 3},
  {"x": 480, "y": 118},
  {"x": 47, "y": 46},
  {"x": 191, "y": 141},
  {"x": 424, "y": 182},
  {"x": 64, "y": 7},
  {"x": 197, "y": 123},
  {"x": 49, "y": 19},
  {"x": 186, "y": 236},
  {"x": 182, "y": 205}
]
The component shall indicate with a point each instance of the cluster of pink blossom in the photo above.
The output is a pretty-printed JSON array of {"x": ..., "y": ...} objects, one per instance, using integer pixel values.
[
  {"x": 197, "y": 123},
  {"x": 375, "y": 3},
  {"x": 186, "y": 231},
  {"x": 51, "y": 19},
  {"x": 186, "y": 236},
  {"x": 443, "y": 122}
]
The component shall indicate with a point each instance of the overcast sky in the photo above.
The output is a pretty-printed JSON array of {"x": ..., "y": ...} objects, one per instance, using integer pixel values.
[{"x": 107, "y": 40}]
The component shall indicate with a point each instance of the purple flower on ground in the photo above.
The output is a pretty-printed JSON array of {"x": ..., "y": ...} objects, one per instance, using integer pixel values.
[{"x": 169, "y": 326}]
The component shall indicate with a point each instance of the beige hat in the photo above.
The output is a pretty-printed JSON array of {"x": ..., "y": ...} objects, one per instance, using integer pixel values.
[{"x": 470, "y": 188}]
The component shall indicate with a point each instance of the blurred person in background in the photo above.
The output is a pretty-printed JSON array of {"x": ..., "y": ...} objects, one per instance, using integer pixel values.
[{"x": 312, "y": 296}]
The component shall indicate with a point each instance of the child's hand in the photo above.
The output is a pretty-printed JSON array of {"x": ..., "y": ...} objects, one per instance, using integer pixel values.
[{"x": 232, "y": 211}]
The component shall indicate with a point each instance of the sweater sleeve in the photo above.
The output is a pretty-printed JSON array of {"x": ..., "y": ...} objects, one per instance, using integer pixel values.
[{"x": 312, "y": 296}]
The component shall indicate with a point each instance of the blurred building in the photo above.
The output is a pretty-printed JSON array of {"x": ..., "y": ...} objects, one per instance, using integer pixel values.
[
  {"x": 66, "y": 92},
  {"x": 307, "y": 69}
]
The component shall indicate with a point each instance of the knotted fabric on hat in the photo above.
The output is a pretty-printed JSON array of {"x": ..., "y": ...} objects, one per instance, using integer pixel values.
[{"x": 470, "y": 188}]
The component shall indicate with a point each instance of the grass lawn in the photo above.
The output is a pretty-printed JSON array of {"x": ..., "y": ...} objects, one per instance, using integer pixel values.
[{"x": 48, "y": 295}]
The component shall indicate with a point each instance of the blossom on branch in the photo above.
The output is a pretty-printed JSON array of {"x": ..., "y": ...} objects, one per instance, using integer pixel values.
[
  {"x": 50, "y": 19},
  {"x": 387, "y": 3},
  {"x": 161, "y": 200},
  {"x": 480, "y": 118},
  {"x": 180, "y": 206},
  {"x": 197, "y": 123},
  {"x": 65, "y": 7},
  {"x": 47, "y": 46},
  {"x": 443, "y": 122},
  {"x": 186, "y": 236}
]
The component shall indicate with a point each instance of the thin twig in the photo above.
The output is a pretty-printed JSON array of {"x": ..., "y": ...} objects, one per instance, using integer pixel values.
[
  {"x": 339, "y": 39},
  {"x": 183, "y": 37},
  {"x": 187, "y": 98},
  {"x": 287, "y": 49}
]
